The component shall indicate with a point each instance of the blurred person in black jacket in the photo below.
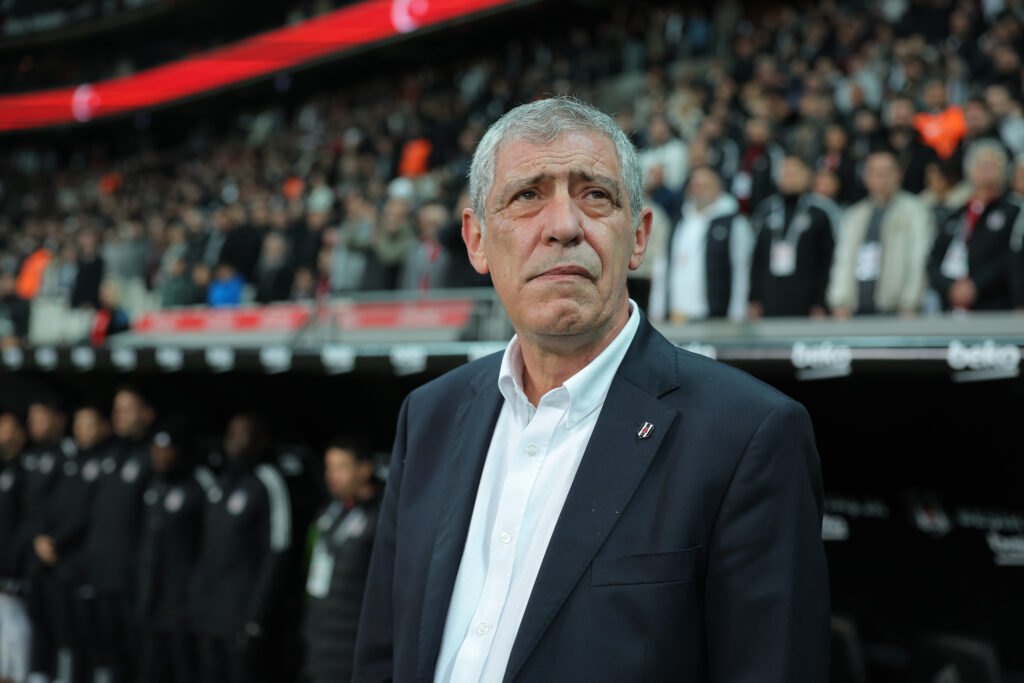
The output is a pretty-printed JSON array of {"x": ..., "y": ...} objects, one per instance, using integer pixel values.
[
  {"x": 971, "y": 258},
  {"x": 112, "y": 541},
  {"x": 57, "y": 565},
  {"x": 15, "y": 627},
  {"x": 169, "y": 547},
  {"x": 341, "y": 560},
  {"x": 43, "y": 465},
  {"x": 244, "y": 559},
  {"x": 793, "y": 251},
  {"x": 14, "y": 312}
]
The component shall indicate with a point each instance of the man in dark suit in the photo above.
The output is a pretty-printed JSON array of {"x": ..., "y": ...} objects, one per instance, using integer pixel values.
[{"x": 594, "y": 504}]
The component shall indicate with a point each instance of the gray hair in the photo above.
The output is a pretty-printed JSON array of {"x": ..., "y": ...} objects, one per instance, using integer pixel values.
[
  {"x": 543, "y": 122},
  {"x": 986, "y": 146}
]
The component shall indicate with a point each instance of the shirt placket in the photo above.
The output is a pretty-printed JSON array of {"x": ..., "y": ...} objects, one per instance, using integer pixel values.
[{"x": 525, "y": 461}]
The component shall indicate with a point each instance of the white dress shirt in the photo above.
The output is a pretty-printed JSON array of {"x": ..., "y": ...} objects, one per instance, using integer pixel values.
[{"x": 532, "y": 460}]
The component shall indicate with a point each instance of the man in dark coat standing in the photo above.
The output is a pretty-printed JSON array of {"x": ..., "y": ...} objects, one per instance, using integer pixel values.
[{"x": 341, "y": 559}]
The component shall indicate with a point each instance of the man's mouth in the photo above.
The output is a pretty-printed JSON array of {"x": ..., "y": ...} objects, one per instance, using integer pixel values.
[{"x": 566, "y": 271}]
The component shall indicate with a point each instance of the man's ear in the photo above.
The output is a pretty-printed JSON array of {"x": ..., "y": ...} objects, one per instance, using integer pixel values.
[
  {"x": 643, "y": 237},
  {"x": 473, "y": 236}
]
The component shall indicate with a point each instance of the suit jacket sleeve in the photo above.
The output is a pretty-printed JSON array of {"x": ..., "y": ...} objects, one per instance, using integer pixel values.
[
  {"x": 767, "y": 596},
  {"x": 375, "y": 641}
]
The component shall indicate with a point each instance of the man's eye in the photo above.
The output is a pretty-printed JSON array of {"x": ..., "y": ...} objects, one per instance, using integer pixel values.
[
  {"x": 597, "y": 194},
  {"x": 526, "y": 194}
]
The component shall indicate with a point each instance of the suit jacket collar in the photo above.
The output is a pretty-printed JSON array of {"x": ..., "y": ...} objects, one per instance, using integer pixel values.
[{"x": 612, "y": 467}]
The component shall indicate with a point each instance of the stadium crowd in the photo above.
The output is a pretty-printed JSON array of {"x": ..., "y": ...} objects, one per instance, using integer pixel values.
[
  {"x": 130, "y": 551},
  {"x": 826, "y": 152}
]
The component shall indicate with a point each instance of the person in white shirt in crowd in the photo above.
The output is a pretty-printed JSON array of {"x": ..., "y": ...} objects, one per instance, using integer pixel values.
[
  {"x": 882, "y": 252},
  {"x": 706, "y": 270},
  {"x": 666, "y": 150}
]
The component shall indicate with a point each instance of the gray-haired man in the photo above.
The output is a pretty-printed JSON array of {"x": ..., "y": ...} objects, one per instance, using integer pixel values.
[{"x": 593, "y": 504}]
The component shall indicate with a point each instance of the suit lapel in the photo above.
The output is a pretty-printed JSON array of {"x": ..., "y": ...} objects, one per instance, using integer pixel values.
[
  {"x": 473, "y": 426},
  {"x": 614, "y": 463}
]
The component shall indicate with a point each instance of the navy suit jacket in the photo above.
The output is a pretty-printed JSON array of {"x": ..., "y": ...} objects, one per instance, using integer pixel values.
[{"x": 694, "y": 554}]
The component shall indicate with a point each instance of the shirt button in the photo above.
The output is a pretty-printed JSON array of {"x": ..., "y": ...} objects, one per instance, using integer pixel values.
[
  {"x": 483, "y": 629},
  {"x": 506, "y": 537},
  {"x": 532, "y": 450}
]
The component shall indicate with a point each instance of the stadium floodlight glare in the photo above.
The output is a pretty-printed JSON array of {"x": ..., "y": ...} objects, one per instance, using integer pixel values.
[{"x": 356, "y": 26}]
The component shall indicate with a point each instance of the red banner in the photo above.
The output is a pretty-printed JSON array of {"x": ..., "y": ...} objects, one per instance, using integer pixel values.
[{"x": 354, "y": 26}]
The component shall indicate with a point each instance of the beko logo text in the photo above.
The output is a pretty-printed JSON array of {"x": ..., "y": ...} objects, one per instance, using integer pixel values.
[
  {"x": 824, "y": 355},
  {"x": 985, "y": 356}
]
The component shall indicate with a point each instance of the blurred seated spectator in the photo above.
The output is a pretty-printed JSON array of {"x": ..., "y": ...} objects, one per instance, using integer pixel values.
[
  {"x": 202, "y": 276},
  {"x": 226, "y": 286},
  {"x": 662, "y": 148},
  {"x": 793, "y": 252},
  {"x": 303, "y": 285},
  {"x": 705, "y": 271},
  {"x": 14, "y": 313},
  {"x": 969, "y": 263},
  {"x": 177, "y": 288},
  {"x": 460, "y": 271},
  {"x": 110, "y": 318},
  {"x": 393, "y": 238},
  {"x": 912, "y": 152},
  {"x": 426, "y": 263},
  {"x": 837, "y": 158},
  {"x": 1007, "y": 115},
  {"x": 882, "y": 250},
  {"x": 274, "y": 271},
  {"x": 350, "y": 252},
  {"x": 30, "y": 276}
]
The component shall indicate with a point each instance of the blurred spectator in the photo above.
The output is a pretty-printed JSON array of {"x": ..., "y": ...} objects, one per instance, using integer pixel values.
[
  {"x": 837, "y": 159},
  {"x": 58, "y": 546},
  {"x": 111, "y": 544},
  {"x": 706, "y": 270},
  {"x": 14, "y": 313},
  {"x": 89, "y": 273},
  {"x": 663, "y": 149},
  {"x": 1008, "y": 118},
  {"x": 44, "y": 470},
  {"x": 30, "y": 276},
  {"x": 307, "y": 242},
  {"x": 304, "y": 285},
  {"x": 110, "y": 318},
  {"x": 426, "y": 264},
  {"x": 226, "y": 287},
  {"x": 460, "y": 271},
  {"x": 761, "y": 161},
  {"x": 177, "y": 288},
  {"x": 243, "y": 559},
  {"x": 340, "y": 560},
  {"x": 168, "y": 550},
  {"x": 273, "y": 272},
  {"x": 882, "y": 251},
  {"x": 15, "y": 626},
  {"x": 350, "y": 252},
  {"x": 793, "y": 252},
  {"x": 945, "y": 190},
  {"x": 969, "y": 264},
  {"x": 202, "y": 277},
  {"x": 911, "y": 152},
  {"x": 393, "y": 239}
]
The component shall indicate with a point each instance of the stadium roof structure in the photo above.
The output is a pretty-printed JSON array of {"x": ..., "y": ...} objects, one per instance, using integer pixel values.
[{"x": 343, "y": 31}]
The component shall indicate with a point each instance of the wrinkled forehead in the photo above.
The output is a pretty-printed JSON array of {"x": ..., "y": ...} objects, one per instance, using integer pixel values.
[{"x": 587, "y": 153}]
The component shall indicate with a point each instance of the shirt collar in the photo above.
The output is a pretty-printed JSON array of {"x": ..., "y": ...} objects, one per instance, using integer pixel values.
[{"x": 586, "y": 389}]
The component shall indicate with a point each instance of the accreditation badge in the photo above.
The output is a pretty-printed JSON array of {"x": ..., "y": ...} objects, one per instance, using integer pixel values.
[
  {"x": 321, "y": 568},
  {"x": 782, "y": 262}
]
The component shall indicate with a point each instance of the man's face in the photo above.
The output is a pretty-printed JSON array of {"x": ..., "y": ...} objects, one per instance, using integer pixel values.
[
  {"x": 12, "y": 437},
  {"x": 559, "y": 237},
  {"x": 44, "y": 423},
  {"x": 130, "y": 416},
  {"x": 987, "y": 172},
  {"x": 242, "y": 437},
  {"x": 704, "y": 187},
  {"x": 89, "y": 428},
  {"x": 343, "y": 473},
  {"x": 795, "y": 176},
  {"x": 881, "y": 176}
]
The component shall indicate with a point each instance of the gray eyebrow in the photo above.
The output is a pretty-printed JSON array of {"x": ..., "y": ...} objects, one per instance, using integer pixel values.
[{"x": 612, "y": 184}]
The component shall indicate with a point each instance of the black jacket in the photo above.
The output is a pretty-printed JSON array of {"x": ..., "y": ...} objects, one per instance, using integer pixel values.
[
  {"x": 172, "y": 530},
  {"x": 335, "y": 598},
  {"x": 111, "y": 546},
  {"x": 988, "y": 253},
  {"x": 70, "y": 508},
  {"x": 805, "y": 223},
  {"x": 42, "y": 468},
  {"x": 12, "y": 542},
  {"x": 244, "y": 559}
]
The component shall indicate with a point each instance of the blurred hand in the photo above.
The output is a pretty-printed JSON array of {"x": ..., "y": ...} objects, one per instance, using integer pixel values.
[
  {"x": 755, "y": 311},
  {"x": 818, "y": 312},
  {"x": 963, "y": 293},
  {"x": 841, "y": 313},
  {"x": 45, "y": 550}
]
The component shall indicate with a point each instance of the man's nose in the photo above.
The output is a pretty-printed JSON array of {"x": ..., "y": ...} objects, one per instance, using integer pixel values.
[{"x": 563, "y": 220}]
